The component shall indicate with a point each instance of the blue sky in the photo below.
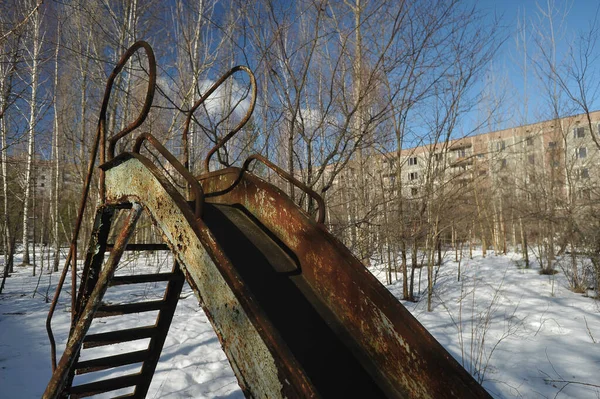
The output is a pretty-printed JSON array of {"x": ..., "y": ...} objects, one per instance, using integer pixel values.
[{"x": 507, "y": 69}]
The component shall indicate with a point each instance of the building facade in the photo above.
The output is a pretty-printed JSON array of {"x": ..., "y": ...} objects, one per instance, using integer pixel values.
[{"x": 540, "y": 168}]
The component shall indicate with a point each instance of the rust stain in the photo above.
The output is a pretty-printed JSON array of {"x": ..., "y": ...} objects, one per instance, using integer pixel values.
[
  {"x": 252, "y": 348},
  {"x": 399, "y": 352},
  {"x": 61, "y": 375}
]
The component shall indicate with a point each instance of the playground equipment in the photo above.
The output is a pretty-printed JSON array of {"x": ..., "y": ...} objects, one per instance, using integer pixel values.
[{"x": 296, "y": 313}]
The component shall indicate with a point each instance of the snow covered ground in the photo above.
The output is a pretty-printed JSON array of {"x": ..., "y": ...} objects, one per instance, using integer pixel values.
[
  {"x": 192, "y": 363},
  {"x": 523, "y": 334}
]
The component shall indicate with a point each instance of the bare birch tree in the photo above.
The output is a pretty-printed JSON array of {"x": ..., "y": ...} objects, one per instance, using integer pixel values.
[
  {"x": 9, "y": 59},
  {"x": 35, "y": 41}
]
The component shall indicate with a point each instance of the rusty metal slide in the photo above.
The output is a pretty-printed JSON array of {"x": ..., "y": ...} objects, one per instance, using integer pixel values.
[{"x": 297, "y": 315}]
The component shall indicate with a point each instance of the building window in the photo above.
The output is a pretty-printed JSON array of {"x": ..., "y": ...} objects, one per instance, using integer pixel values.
[
  {"x": 503, "y": 163},
  {"x": 532, "y": 159},
  {"x": 500, "y": 146},
  {"x": 42, "y": 185},
  {"x": 581, "y": 152},
  {"x": 438, "y": 156},
  {"x": 529, "y": 141},
  {"x": 414, "y": 191},
  {"x": 552, "y": 144},
  {"x": 584, "y": 173},
  {"x": 412, "y": 161},
  {"x": 412, "y": 176},
  {"x": 555, "y": 163},
  {"x": 579, "y": 132},
  {"x": 585, "y": 194}
]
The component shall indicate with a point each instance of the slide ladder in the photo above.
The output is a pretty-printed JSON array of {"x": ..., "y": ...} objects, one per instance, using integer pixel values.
[
  {"x": 100, "y": 276},
  {"x": 296, "y": 313}
]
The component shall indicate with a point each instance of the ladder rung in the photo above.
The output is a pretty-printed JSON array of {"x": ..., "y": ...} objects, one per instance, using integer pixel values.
[
  {"x": 115, "y": 337},
  {"x": 139, "y": 307},
  {"x": 103, "y": 363},
  {"x": 94, "y": 388},
  {"x": 142, "y": 247},
  {"x": 143, "y": 278}
]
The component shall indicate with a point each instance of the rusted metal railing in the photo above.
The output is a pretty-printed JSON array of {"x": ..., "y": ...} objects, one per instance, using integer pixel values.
[
  {"x": 193, "y": 183},
  {"x": 143, "y": 113},
  {"x": 59, "y": 379},
  {"x": 226, "y": 138},
  {"x": 103, "y": 153},
  {"x": 99, "y": 142},
  {"x": 285, "y": 175},
  {"x": 211, "y": 90}
]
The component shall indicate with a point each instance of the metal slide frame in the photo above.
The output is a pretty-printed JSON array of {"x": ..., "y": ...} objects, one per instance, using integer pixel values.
[{"x": 398, "y": 353}]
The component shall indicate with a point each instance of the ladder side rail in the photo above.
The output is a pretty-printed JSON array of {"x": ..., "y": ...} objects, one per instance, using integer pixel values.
[
  {"x": 60, "y": 376},
  {"x": 95, "y": 254},
  {"x": 98, "y": 144},
  {"x": 163, "y": 323}
]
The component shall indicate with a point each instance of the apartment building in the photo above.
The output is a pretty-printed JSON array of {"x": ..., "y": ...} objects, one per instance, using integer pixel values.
[
  {"x": 561, "y": 155},
  {"x": 42, "y": 178}
]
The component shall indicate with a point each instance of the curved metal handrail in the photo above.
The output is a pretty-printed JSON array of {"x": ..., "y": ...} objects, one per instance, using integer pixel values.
[
  {"x": 210, "y": 91},
  {"x": 149, "y": 93},
  {"x": 285, "y": 175},
  {"x": 196, "y": 187},
  {"x": 99, "y": 141}
]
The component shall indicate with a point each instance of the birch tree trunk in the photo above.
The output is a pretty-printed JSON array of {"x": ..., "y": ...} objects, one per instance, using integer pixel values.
[
  {"x": 33, "y": 114},
  {"x": 6, "y": 74},
  {"x": 192, "y": 47},
  {"x": 524, "y": 249},
  {"x": 55, "y": 155},
  {"x": 5, "y": 229}
]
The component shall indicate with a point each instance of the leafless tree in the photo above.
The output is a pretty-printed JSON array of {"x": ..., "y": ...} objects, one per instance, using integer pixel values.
[{"x": 35, "y": 40}]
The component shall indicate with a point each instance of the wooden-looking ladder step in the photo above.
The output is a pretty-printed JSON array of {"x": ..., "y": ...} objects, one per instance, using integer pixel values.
[
  {"x": 128, "y": 308},
  {"x": 109, "y": 362},
  {"x": 98, "y": 387},
  {"x": 143, "y": 278},
  {"x": 115, "y": 337}
]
